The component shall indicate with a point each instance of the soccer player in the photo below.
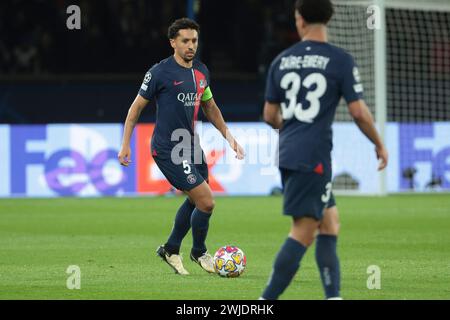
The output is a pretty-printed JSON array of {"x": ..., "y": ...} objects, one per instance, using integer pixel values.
[
  {"x": 180, "y": 84},
  {"x": 304, "y": 85}
]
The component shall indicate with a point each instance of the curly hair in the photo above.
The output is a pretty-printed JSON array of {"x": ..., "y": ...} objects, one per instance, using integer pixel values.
[{"x": 183, "y": 23}]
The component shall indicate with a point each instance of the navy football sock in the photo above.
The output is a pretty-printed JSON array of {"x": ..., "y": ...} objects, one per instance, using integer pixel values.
[
  {"x": 285, "y": 266},
  {"x": 200, "y": 225},
  {"x": 181, "y": 227},
  {"x": 328, "y": 263}
]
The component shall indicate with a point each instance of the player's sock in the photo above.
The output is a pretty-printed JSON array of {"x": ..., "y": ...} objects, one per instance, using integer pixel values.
[
  {"x": 285, "y": 266},
  {"x": 181, "y": 227},
  {"x": 328, "y": 263},
  {"x": 200, "y": 225}
]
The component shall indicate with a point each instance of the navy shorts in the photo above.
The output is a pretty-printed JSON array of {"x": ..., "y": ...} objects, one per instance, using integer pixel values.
[
  {"x": 306, "y": 194},
  {"x": 184, "y": 176}
]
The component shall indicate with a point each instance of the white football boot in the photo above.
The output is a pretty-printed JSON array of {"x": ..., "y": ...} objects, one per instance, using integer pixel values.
[
  {"x": 173, "y": 260},
  {"x": 205, "y": 261}
]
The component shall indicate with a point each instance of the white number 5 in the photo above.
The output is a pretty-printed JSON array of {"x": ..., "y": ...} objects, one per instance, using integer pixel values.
[{"x": 186, "y": 166}]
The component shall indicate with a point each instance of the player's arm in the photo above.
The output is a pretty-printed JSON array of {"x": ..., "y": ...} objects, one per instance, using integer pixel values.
[
  {"x": 213, "y": 114},
  {"x": 272, "y": 115},
  {"x": 132, "y": 118},
  {"x": 363, "y": 118},
  {"x": 272, "y": 109}
]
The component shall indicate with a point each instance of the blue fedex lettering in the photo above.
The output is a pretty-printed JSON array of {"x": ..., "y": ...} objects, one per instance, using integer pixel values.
[
  {"x": 409, "y": 155},
  {"x": 54, "y": 169},
  {"x": 20, "y": 158},
  {"x": 442, "y": 165}
]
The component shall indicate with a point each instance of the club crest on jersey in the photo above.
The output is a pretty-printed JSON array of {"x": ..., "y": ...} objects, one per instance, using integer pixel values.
[
  {"x": 189, "y": 99},
  {"x": 191, "y": 179}
]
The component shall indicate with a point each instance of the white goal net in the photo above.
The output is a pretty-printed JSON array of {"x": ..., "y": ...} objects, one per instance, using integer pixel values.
[{"x": 405, "y": 70}]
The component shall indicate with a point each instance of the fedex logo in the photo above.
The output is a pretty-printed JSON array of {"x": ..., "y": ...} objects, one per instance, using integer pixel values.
[
  {"x": 72, "y": 160},
  {"x": 425, "y": 148},
  {"x": 81, "y": 160}
]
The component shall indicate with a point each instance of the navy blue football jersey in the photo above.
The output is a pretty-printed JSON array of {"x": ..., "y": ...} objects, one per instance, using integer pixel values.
[
  {"x": 178, "y": 92},
  {"x": 308, "y": 80}
]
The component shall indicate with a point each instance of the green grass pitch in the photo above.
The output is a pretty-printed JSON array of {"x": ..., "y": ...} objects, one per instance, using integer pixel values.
[{"x": 113, "y": 241}]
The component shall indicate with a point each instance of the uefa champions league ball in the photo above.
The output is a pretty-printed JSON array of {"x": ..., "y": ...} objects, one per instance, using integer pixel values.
[{"x": 229, "y": 261}]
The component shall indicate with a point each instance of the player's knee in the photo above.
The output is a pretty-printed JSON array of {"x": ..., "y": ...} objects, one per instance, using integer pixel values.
[
  {"x": 206, "y": 205},
  {"x": 330, "y": 222},
  {"x": 330, "y": 228},
  {"x": 306, "y": 239},
  {"x": 209, "y": 206},
  {"x": 304, "y": 230}
]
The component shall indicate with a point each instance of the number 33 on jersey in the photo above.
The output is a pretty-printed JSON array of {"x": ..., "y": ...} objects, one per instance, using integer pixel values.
[{"x": 308, "y": 80}]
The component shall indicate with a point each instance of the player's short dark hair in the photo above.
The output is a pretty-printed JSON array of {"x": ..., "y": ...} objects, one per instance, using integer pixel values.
[
  {"x": 315, "y": 11},
  {"x": 183, "y": 23}
]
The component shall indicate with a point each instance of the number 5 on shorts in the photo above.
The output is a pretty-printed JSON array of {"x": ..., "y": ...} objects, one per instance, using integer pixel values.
[{"x": 186, "y": 166}]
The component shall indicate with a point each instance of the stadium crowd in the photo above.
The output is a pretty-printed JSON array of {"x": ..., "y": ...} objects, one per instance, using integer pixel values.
[{"x": 34, "y": 38}]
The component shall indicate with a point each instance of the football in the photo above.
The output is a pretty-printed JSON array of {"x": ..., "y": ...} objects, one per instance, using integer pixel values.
[{"x": 229, "y": 262}]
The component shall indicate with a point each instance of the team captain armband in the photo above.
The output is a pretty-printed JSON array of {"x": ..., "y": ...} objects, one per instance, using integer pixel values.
[{"x": 207, "y": 95}]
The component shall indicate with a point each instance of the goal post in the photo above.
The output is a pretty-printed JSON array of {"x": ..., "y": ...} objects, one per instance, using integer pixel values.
[
  {"x": 402, "y": 49},
  {"x": 354, "y": 163},
  {"x": 380, "y": 80}
]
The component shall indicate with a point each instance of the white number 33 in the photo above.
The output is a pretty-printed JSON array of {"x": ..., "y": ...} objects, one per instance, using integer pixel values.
[{"x": 291, "y": 82}]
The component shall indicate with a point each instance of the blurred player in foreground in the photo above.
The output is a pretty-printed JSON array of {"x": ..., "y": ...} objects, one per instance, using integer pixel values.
[{"x": 304, "y": 86}]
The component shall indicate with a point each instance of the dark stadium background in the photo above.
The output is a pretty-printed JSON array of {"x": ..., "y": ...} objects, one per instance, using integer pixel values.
[{"x": 49, "y": 74}]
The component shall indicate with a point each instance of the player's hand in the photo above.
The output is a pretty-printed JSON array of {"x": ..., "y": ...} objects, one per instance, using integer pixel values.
[
  {"x": 240, "y": 153},
  {"x": 124, "y": 156},
  {"x": 382, "y": 156}
]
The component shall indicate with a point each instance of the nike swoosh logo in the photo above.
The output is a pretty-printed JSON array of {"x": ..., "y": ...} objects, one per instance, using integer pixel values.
[{"x": 175, "y": 83}]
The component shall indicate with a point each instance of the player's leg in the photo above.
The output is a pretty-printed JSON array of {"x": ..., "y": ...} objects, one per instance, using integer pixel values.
[
  {"x": 175, "y": 174},
  {"x": 330, "y": 223},
  {"x": 170, "y": 251},
  {"x": 303, "y": 230},
  {"x": 181, "y": 226},
  {"x": 301, "y": 200},
  {"x": 326, "y": 251},
  {"x": 287, "y": 261},
  {"x": 204, "y": 206}
]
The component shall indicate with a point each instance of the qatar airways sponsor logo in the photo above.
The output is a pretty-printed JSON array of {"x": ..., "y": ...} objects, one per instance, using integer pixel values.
[{"x": 189, "y": 99}]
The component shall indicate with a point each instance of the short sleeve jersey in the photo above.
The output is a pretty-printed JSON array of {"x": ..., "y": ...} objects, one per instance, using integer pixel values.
[
  {"x": 178, "y": 92},
  {"x": 308, "y": 80}
]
